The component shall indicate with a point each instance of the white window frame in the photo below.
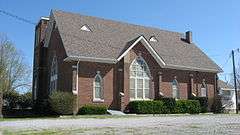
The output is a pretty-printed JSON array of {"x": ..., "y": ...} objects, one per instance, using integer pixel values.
[
  {"x": 175, "y": 82},
  {"x": 85, "y": 28},
  {"x": 144, "y": 78},
  {"x": 153, "y": 39},
  {"x": 101, "y": 99},
  {"x": 74, "y": 79},
  {"x": 203, "y": 86},
  {"x": 53, "y": 76}
]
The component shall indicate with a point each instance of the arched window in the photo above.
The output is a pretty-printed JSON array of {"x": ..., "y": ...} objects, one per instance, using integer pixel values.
[
  {"x": 203, "y": 89},
  {"x": 98, "y": 88},
  {"x": 139, "y": 80},
  {"x": 175, "y": 89},
  {"x": 54, "y": 75}
]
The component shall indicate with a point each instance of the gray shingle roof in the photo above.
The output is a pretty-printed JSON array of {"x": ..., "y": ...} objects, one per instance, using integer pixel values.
[{"x": 109, "y": 38}]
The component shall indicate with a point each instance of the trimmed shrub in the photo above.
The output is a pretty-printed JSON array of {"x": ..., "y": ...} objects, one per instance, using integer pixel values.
[
  {"x": 217, "y": 105},
  {"x": 169, "y": 104},
  {"x": 42, "y": 107},
  {"x": 203, "y": 103},
  {"x": 187, "y": 106},
  {"x": 93, "y": 109},
  {"x": 12, "y": 98},
  {"x": 25, "y": 100},
  {"x": 146, "y": 107},
  {"x": 61, "y": 102}
]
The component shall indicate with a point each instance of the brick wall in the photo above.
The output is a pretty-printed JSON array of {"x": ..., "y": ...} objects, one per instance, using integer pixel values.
[
  {"x": 56, "y": 48},
  {"x": 116, "y": 77},
  {"x": 168, "y": 75},
  {"x": 39, "y": 61},
  {"x": 87, "y": 73}
]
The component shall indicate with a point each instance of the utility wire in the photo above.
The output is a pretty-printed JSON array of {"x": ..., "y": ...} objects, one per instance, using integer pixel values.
[
  {"x": 224, "y": 65},
  {"x": 17, "y": 17},
  {"x": 32, "y": 23}
]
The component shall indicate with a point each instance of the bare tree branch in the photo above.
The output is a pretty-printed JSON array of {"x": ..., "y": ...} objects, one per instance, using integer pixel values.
[{"x": 14, "y": 73}]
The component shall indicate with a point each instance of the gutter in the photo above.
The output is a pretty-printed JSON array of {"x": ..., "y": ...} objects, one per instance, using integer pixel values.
[
  {"x": 90, "y": 59},
  {"x": 77, "y": 87},
  {"x": 114, "y": 61},
  {"x": 171, "y": 66}
]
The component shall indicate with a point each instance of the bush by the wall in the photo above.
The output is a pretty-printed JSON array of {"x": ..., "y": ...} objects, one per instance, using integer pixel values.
[
  {"x": 42, "y": 107},
  {"x": 169, "y": 104},
  {"x": 25, "y": 100},
  {"x": 16, "y": 100},
  {"x": 203, "y": 103},
  {"x": 146, "y": 107},
  {"x": 12, "y": 98},
  {"x": 187, "y": 106},
  {"x": 217, "y": 105},
  {"x": 93, "y": 109},
  {"x": 61, "y": 102}
]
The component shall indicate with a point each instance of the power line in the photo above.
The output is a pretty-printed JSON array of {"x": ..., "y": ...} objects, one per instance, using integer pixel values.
[
  {"x": 17, "y": 17},
  {"x": 229, "y": 57},
  {"x": 32, "y": 23}
]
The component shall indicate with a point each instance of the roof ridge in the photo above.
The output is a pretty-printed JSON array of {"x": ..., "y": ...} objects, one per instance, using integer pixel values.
[
  {"x": 101, "y": 42},
  {"x": 117, "y": 21}
]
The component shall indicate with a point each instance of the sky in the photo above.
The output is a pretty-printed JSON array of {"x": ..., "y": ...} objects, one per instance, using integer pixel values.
[{"x": 215, "y": 23}]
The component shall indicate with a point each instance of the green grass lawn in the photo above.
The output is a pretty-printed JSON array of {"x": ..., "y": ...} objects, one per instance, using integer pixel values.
[
  {"x": 73, "y": 117},
  {"x": 105, "y": 116},
  {"x": 73, "y": 131},
  {"x": 44, "y": 132},
  {"x": 78, "y": 131}
]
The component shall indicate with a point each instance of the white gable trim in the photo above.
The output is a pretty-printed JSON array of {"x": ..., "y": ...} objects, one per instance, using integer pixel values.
[
  {"x": 148, "y": 47},
  {"x": 49, "y": 30}
]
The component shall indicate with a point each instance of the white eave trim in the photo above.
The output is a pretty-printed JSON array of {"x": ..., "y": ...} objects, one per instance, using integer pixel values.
[
  {"x": 148, "y": 47},
  {"x": 90, "y": 59},
  {"x": 49, "y": 29},
  {"x": 45, "y": 18},
  {"x": 152, "y": 52}
]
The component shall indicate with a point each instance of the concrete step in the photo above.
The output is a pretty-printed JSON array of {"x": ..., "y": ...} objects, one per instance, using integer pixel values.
[{"x": 115, "y": 112}]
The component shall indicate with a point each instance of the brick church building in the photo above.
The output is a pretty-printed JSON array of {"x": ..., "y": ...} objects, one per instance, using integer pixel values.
[{"x": 112, "y": 63}]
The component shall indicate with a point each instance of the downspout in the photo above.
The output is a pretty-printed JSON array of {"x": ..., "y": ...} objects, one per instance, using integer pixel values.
[{"x": 77, "y": 99}]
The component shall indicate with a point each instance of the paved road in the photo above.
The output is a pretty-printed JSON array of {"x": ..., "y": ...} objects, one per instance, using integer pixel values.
[{"x": 183, "y": 124}]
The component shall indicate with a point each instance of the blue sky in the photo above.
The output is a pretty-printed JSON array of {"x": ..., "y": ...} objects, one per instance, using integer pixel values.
[{"x": 215, "y": 24}]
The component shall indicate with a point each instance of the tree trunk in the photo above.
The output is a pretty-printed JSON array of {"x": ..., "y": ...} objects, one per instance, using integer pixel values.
[{"x": 1, "y": 104}]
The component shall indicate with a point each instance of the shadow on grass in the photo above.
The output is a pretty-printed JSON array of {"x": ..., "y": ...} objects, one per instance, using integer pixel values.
[{"x": 13, "y": 114}]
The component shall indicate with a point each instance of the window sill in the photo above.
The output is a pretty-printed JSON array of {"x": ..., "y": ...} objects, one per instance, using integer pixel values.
[
  {"x": 203, "y": 96},
  {"x": 98, "y": 100},
  {"x": 74, "y": 92},
  {"x": 135, "y": 99}
]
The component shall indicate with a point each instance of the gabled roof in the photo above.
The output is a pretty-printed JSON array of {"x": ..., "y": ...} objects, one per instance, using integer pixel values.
[
  {"x": 225, "y": 85},
  {"x": 110, "y": 39},
  {"x": 147, "y": 46}
]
